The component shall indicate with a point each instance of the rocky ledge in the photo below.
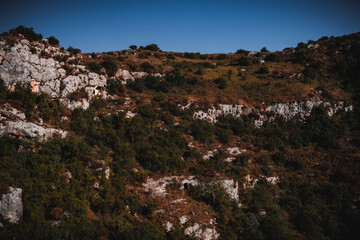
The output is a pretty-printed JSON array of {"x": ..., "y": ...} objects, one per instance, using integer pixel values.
[{"x": 13, "y": 123}]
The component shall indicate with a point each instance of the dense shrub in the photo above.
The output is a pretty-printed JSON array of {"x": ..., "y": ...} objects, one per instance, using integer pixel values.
[
  {"x": 115, "y": 86},
  {"x": 28, "y": 33},
  {"x": 242, "y": 51},
  {"x": 53, "y": 40},
  {"x": 147, "y": 67},
  {"x": 244, "y": 61},
  {"x": 221, "y": 82},
  {"x": 263, "y": 70},
  {"x": 202, "y": 131},
  {"x": 74, "y": 51},
  {"x": 273, "y": 57},
  {"x": 110, "y": 66},
  {"x": 152, "y": 47},
  {"x": 95, "y": 67},
  {"x": 264, "y": 50}
]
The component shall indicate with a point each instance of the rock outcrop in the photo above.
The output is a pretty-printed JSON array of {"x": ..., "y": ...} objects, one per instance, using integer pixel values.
[
  {"x": 24, "y": 129},
  {"x": 25, "y": 62},
  {"x": 11, "y": 207},
  {"x": 287, "y": 110},
  {"x": 13, "y": 123},
  {"x": 128, "y": 76}
]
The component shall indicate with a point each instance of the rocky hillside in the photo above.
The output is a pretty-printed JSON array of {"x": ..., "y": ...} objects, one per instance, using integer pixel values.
[{"x": 147, "y": 144}]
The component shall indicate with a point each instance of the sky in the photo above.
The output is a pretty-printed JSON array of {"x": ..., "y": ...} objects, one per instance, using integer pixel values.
[{"x": 211, "y": 26}]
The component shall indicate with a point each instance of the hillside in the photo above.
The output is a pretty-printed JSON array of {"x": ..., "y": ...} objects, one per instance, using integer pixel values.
[{"x": 147, "y": 144}]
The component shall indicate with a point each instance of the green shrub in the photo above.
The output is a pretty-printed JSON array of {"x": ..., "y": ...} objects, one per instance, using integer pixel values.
[
  {"x": 202, "y": 131},
  {"x": 221, "y": 82},
  {"x": 110, "y": 66},
  {"x": 95, "y": 67},
  {"x": 171, "y": 56},
  {"x": 152, "y": 47},
  {"x": 53, "y": 40},
  {"x": 221, "y": 57},
  {"x": 263, "y": 70},
  {"x": 115, "y": 86},
  {"x": 242, "y": 51},
  {"x": 73, "y": 51},
  {"x": 244, "y": 61},
  {"x": 28, "y": 33},
  {"x": 264, "y": 50},
  {"x": 147, "y": 67},
  {"x": 273, "y": 57}
]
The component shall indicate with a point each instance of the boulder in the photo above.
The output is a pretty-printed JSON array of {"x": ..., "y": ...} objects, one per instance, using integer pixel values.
[{"x": 11, "y": 207}]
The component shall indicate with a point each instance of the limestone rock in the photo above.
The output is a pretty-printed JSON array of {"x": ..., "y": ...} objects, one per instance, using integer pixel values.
[
  {"x": 8, "y": 112},
  {"x": 24, "y": 129},
  {"x": 287, "y": 110},
  {"x": 11, "y": 207},
  {"x": 21, "y": 64}
]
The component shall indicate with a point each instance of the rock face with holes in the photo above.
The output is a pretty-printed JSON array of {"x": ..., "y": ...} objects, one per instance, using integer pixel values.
[
  {"x": 25, "y": 62},
  {"x": 11, "y": 207},
  {"x": 287, "y": 110}
]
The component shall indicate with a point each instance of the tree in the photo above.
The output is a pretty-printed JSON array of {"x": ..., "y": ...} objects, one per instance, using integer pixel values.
[
  {"x": 264, "y": 49},
  {"x": 74, "y": 51},
  {"x": 242, "y": 51},
  {"x": 133, "y": 47},
  {"x": 53, "y": 40},
  {"x": 152, "y": 47}
]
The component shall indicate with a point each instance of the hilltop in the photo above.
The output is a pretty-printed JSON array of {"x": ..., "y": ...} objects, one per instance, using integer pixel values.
[{"x": 147, "y": 144}]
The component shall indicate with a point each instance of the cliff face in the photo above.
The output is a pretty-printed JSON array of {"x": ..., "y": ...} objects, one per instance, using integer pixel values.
[
  {"x": 35, "y": 63},
  {"x": 11, "y": 207}
]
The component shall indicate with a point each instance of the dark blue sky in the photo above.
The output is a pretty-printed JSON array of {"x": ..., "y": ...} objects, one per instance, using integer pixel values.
[{"x": 192, "y": 26}]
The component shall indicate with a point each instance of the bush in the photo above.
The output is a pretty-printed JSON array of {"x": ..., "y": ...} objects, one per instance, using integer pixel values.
[
  {"x": 242, "y": 51},
  {"x": 28, "y": 33},
  {"x": 273, "y": 57},
  {"x": 244, "y": 61},
  {"x": 202, "y": 131},
  {"x": 171, "y": 56},
  {"x": 74, "y": 51},
  {"x": 115, "y": 86},
  {"x": 221, "y": 57},
  {"x": 110, "y": 66},
  {"x": 263, "y": 70},
  {"x": 264, "y": 49},
  {"x": 54, "y": 41},
  {"x": 133, "y": 47},
  {"x": 152, "y": 47},
  {"x": 95, "y": 67},
  {"x": 147, "y": 67},
  {"x": 221, "y": 82}
]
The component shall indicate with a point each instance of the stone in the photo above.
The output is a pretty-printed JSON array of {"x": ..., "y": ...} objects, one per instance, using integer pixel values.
[
  {"x": 11, "y": 207},
  {"x": 287, "y": 110},
  {"x": 232, "y": 188},
  {"x": 8, "y": 112},
  {"x": 24, "y": 129},
  {"x": 19, "y": 65}
]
